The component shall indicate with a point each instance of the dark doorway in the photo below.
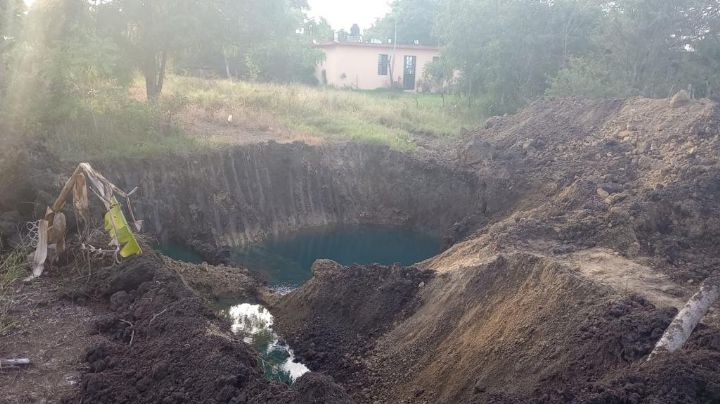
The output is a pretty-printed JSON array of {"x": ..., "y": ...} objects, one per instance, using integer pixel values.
[{"x": 409, "y": 73}]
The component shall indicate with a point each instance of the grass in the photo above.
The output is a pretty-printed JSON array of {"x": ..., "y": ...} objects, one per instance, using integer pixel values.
[
  {"x": 378, "y": 116},
  {"x": 13, "y": 267},
  {"x": 118, "y": 126},
  {"x": 116, "y": 123}
]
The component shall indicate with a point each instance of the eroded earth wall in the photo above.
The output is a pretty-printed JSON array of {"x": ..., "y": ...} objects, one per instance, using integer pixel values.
[{"x": 247, "y": 193}]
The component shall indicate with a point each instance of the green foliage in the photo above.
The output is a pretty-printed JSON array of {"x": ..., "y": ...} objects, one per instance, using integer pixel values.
[
  {"x": 647, "y": 47},
  {"x": 151, "y": 32},
  {"x": 437, "y": 77},
  {"x": 58, "y": 63},
  {"x": 414, "y": 19},
  {"x": 112, "y": 126},
  {"x": 260, "y": 41},
  {"x": 587, "y": 78},
  {"x": 507, "y": 50},
  {"x": 13, "y": 266}
]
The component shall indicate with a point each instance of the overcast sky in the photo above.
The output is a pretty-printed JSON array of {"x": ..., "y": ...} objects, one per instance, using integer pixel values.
[{"x": 345, "y": 13}]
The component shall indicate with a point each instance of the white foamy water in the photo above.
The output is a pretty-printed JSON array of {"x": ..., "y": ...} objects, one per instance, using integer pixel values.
[{"x": 254, "y": 323}]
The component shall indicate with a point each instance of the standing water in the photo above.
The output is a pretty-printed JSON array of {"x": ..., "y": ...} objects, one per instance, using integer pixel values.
[
  {"x": 254, "y": 323},
  {"x": 285, "y": 262}
]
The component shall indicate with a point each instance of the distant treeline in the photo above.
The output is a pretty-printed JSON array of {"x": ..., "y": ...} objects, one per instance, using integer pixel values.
[
  {"x": 500, "y": 54},
  {"x": 513, "y": 51}
]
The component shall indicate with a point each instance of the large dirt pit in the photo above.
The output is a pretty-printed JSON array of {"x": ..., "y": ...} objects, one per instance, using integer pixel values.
[{"x": 572, "y": 233}]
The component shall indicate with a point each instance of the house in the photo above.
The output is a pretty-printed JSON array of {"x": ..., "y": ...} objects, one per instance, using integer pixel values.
[{"x": 369, "y": 66}]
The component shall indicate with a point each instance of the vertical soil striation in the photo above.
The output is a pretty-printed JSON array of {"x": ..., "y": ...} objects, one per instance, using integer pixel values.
[{"x": 247, "y": 193}]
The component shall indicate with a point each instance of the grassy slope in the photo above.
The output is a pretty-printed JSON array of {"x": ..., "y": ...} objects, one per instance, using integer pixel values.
[
  {"x": 111, "y": 126},
  {"x": 387, "y": 117}
]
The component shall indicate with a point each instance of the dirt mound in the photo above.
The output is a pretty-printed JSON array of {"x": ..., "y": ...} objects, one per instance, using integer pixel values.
[
  {"x": 636, "y": 176},
  {"x": 319, "y": 388},
  {"x": 163, "y": 344},
  {"x": 333, "y": 320},
  {"x": 216, "y": 282},
  {"x": 501, "y": 332}
]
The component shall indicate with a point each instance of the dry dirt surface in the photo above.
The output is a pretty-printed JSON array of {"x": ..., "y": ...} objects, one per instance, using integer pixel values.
[
  {"x": 140, "y": 332},
  {"x": 560, "y": 296},
  {"x": 53, "y": 324}
]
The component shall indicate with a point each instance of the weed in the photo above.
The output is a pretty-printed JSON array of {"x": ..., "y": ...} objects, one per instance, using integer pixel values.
[
  {"x": 13, "y": 266},
  {"x": 375, "y": 116}
]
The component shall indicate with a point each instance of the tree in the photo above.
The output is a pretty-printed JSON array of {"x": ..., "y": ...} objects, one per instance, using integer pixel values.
[
  {"x": 270, "y": 40},
  {"x": 318, "y": 31},
  {"x": 11, "y": 15},
  {"x": 155, "y": 30},
  {"x": 414, "y": 19},
  {"x": 507, "y": 51},
  {"x": 651, "y": 48}
]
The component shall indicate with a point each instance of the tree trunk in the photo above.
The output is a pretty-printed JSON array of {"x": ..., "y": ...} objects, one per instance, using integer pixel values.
[
  {"x": 161, "y": 73},
  {"x": 150, "y": 73},
  {"x": 688, "y": 318},
  {"x": 154, "y": 72},
  {"x": 227, "y": 66}
]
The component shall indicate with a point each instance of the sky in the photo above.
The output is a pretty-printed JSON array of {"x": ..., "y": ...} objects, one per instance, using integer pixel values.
[{"x": 344, "y": 13}]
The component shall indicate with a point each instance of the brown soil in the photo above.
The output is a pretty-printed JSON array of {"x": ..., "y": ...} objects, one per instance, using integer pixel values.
[
  {"x": 136, "y": 333},
  {"x": 561, "y": 297},
  {"x": 581, "y": 227},
  {"x": 53, "y": 326},
  {"x": 163, "y": 344}
]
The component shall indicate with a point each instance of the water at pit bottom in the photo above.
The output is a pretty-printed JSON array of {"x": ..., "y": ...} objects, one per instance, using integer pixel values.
[
  {"x": 253, "y": 323},
  {"x": 285, "y": 262}
]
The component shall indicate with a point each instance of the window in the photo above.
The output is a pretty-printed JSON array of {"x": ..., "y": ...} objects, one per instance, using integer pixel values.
[{"x": 383, "y": 62}]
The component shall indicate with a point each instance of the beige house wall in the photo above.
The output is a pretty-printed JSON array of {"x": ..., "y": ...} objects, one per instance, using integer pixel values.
[{"x": 356, "y": 65}]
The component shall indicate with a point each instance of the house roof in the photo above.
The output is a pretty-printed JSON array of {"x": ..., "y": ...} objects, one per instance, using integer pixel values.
[{"x": 375, "y": 46}]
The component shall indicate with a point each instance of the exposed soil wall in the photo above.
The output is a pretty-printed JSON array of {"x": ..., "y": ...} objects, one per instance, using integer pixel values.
[{"x": 247, "y": 193}]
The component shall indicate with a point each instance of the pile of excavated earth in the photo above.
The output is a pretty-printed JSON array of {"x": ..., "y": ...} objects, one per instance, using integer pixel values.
[{"x": 580, "y": 228}]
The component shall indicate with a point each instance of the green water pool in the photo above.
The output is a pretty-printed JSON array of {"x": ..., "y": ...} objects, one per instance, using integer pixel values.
[{"x": 286, "y": 261}]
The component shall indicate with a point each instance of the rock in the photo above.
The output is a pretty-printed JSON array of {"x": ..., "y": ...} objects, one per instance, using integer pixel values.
[
  {"x": 528, "y": 144},
  {"x": 643, "y": 147},
  {"x": 119, "y": 300},
  {"x": 602, "y": 193},
  {"x": 616, "y": 198},
  {"x": 325, "y": 267},
  {"x": 492, "y": 121},
  {"x": 612, "y": 187}
]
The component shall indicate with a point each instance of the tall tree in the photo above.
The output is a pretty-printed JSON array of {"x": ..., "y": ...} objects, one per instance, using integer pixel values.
[
  {"x": 270, "y": 40},
  {"x": 647, "y": 47},
  {"x": 156, "y": 30},
  {"x": 506, "y": 51},
  {"x": 414, "y": 21},
  {"x": 11, "y": 14}
]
